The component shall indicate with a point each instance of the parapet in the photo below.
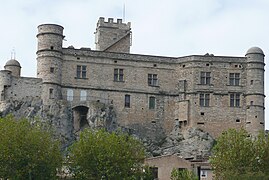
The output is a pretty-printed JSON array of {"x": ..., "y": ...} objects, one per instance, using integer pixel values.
[
  {"x": 50, "y": 28},
  {"x": 110, "y": 23}
]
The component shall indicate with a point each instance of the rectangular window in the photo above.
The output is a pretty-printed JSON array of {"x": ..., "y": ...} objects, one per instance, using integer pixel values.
[
  {"x": 51, "y": 69},
  {"x": 205, "y": 78},
  {"x": 204, "y": 100},
  {"x": 127, "y": 101},
  {"x": 152, "y": 102},
  {"x": 235, "y": 100},
  {"x": 118, "y": 75},
  {"x": 69, "y": 95},
  {"x": 83, "y": 95},
  {"x": 152, "y": 79},
  {"x": 154, "y": 171},
  {"x": 81, "y": 72},
  {"x": 234, "y": 79},
  {"x": 51, "y": 93}
]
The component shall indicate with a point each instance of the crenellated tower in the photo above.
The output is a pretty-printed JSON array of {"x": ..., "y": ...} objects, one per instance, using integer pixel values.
[
  {"x": 113, "y": 36},
  {"x": 255, "y": 90},
  {"x": 49, "y": 60}
]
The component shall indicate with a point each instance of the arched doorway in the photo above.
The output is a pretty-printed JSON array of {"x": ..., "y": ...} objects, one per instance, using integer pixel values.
[{"x": 80, "y": 118}]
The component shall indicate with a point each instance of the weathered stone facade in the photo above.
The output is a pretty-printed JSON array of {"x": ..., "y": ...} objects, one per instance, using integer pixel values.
[{"x": 150, "y": 94}]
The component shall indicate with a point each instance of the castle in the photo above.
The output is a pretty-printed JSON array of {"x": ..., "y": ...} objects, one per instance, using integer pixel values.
[{"x": 210, "y": 92}]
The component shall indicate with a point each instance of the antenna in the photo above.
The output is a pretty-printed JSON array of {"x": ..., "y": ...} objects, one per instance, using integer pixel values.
[
  {"x": 13, "y": 54},
  {"x": 123, "y": 13}
]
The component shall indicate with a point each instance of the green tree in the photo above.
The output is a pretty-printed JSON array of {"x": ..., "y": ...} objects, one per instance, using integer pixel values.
[
  {"x": 238, "y": 155},
  {"x": 104, "y": 155},
  {"x": 184, "y": 174},
  {"x": 26, "y": 151}
]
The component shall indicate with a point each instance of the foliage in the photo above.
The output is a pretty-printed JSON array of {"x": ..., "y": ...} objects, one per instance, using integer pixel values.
[
  {"x": 238, "y": 155},
  {"x": 184, "y": 174},
  {"x": 104, "y": 155},
  {"x": 26, "y": 151}
]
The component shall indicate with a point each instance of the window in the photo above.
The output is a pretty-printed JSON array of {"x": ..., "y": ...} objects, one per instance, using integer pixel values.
[
  {"x": 152, "y": 80},
  {"x": 154, "y": 171},
  {"x": 81, "y": 71},
  {"x": 235, "y": 100},
  {"x": 234, "y": 79},
  {"x": 69, "y": 95},
  {"x": 83, "y": 95},
  {"x": 204, "y": 100},
  {"x": 205, "y": 78},
  {"x": 118, "y": 75},
  {"x": 127, "y": 101},
  {"x": 51, "y": 93},
  {"x": 203, "y": 174},
  {"x": 152, "y": 102},
  {"x": 52, "y": 70}
]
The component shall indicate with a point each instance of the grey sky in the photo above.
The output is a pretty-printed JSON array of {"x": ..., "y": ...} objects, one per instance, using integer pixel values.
[{"x": 168, "y": 28}]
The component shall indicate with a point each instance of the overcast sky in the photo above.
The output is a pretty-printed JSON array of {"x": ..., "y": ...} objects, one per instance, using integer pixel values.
[{"x": 160, "y": 27}]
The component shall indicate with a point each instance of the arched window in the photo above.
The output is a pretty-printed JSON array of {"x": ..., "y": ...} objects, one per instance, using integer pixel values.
[
  {"x": 69, "y": 95},
  {"x": 83, "y": 95}
]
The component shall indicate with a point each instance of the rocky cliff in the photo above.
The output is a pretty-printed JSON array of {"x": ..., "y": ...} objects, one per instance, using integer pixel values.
[{"x": 189, "y": 142}]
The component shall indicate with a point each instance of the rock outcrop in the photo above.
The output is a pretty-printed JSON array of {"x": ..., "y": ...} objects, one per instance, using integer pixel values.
[{"x": 188, "y": 143}]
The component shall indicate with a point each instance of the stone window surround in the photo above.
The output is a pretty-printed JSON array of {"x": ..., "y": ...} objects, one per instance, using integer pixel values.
[
  {"x": 81, "y": 72},
  {"x": 153, "y": 80},
  {"x": 235, "y": 100},
  {"x": 204, "y": 99},
  {"x": 152, "y": 102},
  {"x": 118, "y": 75},
  {"x": 127, "y": 101},
  {"x": 234, "y": 79},
  {"x": 205, "y": 78}
]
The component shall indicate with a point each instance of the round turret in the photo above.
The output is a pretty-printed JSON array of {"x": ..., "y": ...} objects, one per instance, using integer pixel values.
[
  {"x": 49, "y": 59},
  {"x": 13, "y": 66},
  {"x": 255, "y": 90}
]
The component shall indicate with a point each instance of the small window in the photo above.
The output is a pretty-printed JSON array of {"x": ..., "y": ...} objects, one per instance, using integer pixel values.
[
  {"x": 152, "y": 102},
  {"x": 51, "y": 93},
  {"x": 235, "y": 100},
  {"x": 127, "y": 101},
  {"x": 81, "y": 71},
  {"x": 205, "y": 78},
  {"x": 262, "y": 123},
  {"x": 52, "y": 70},
  {"x": 200, "y": 123},
  {"x": 203, "y": 174},
  {"x": 234, "y": 79},
  {"x": 154, "y": 171},
  {"x": 83, "y": 95},
  {"x": 152, "y": 79},
  {"x": 207, "y": 64},
  {"x": 118, "y": 75},
  {"x": 51, "y": 47},
  {"x": 251, "y": 82},
  {"x": 237, "y": 120},
  {"x": 251, "y": 103},
  {"x": 204, "y": 100},
  {"x": 202, "y": 113},
  {"x": 70, "y": 95}
]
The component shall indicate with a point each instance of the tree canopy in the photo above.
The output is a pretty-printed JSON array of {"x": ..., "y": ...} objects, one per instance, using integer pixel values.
[
  {"x": 184, "y": 174},
  {"x": 239, "y": 155},
  {"x": 103, "y": 155},
  {"x": 26, "y": 151}
]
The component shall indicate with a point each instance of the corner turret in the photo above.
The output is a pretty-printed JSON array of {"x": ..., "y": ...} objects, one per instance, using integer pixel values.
[
  {"x": 14, "y": 67},
  {"x": 49, "y": 60},
  {"x": 255, "y": 90},
  {"x": 113, "y": 36}
]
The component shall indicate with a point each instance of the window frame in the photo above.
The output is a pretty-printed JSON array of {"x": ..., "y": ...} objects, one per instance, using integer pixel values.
[
  {"x": 118, "y": 74},
  {"x": 205, "y": 78},
  {"x": 204, "y": 99},
  {"x": 127, "y": 101},
  {"x": 235, "y": 99},
  {"x": 234, "y": 79},
  {"x": 81, "y": 72},
  {"x": 153, "y": 80},
  {"x": 152, "y": 102},
  {"x": 69, "y": 95},
  {"x": 51, "y": 93}
]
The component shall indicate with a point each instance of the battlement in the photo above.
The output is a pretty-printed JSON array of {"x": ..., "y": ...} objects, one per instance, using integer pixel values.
[{"x": 110, "y": 23}]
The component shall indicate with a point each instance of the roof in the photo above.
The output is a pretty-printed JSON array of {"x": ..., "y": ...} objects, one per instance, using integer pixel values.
[
  {"x": 255, "y": 50},
  {"x": 13, "y": 62}
]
